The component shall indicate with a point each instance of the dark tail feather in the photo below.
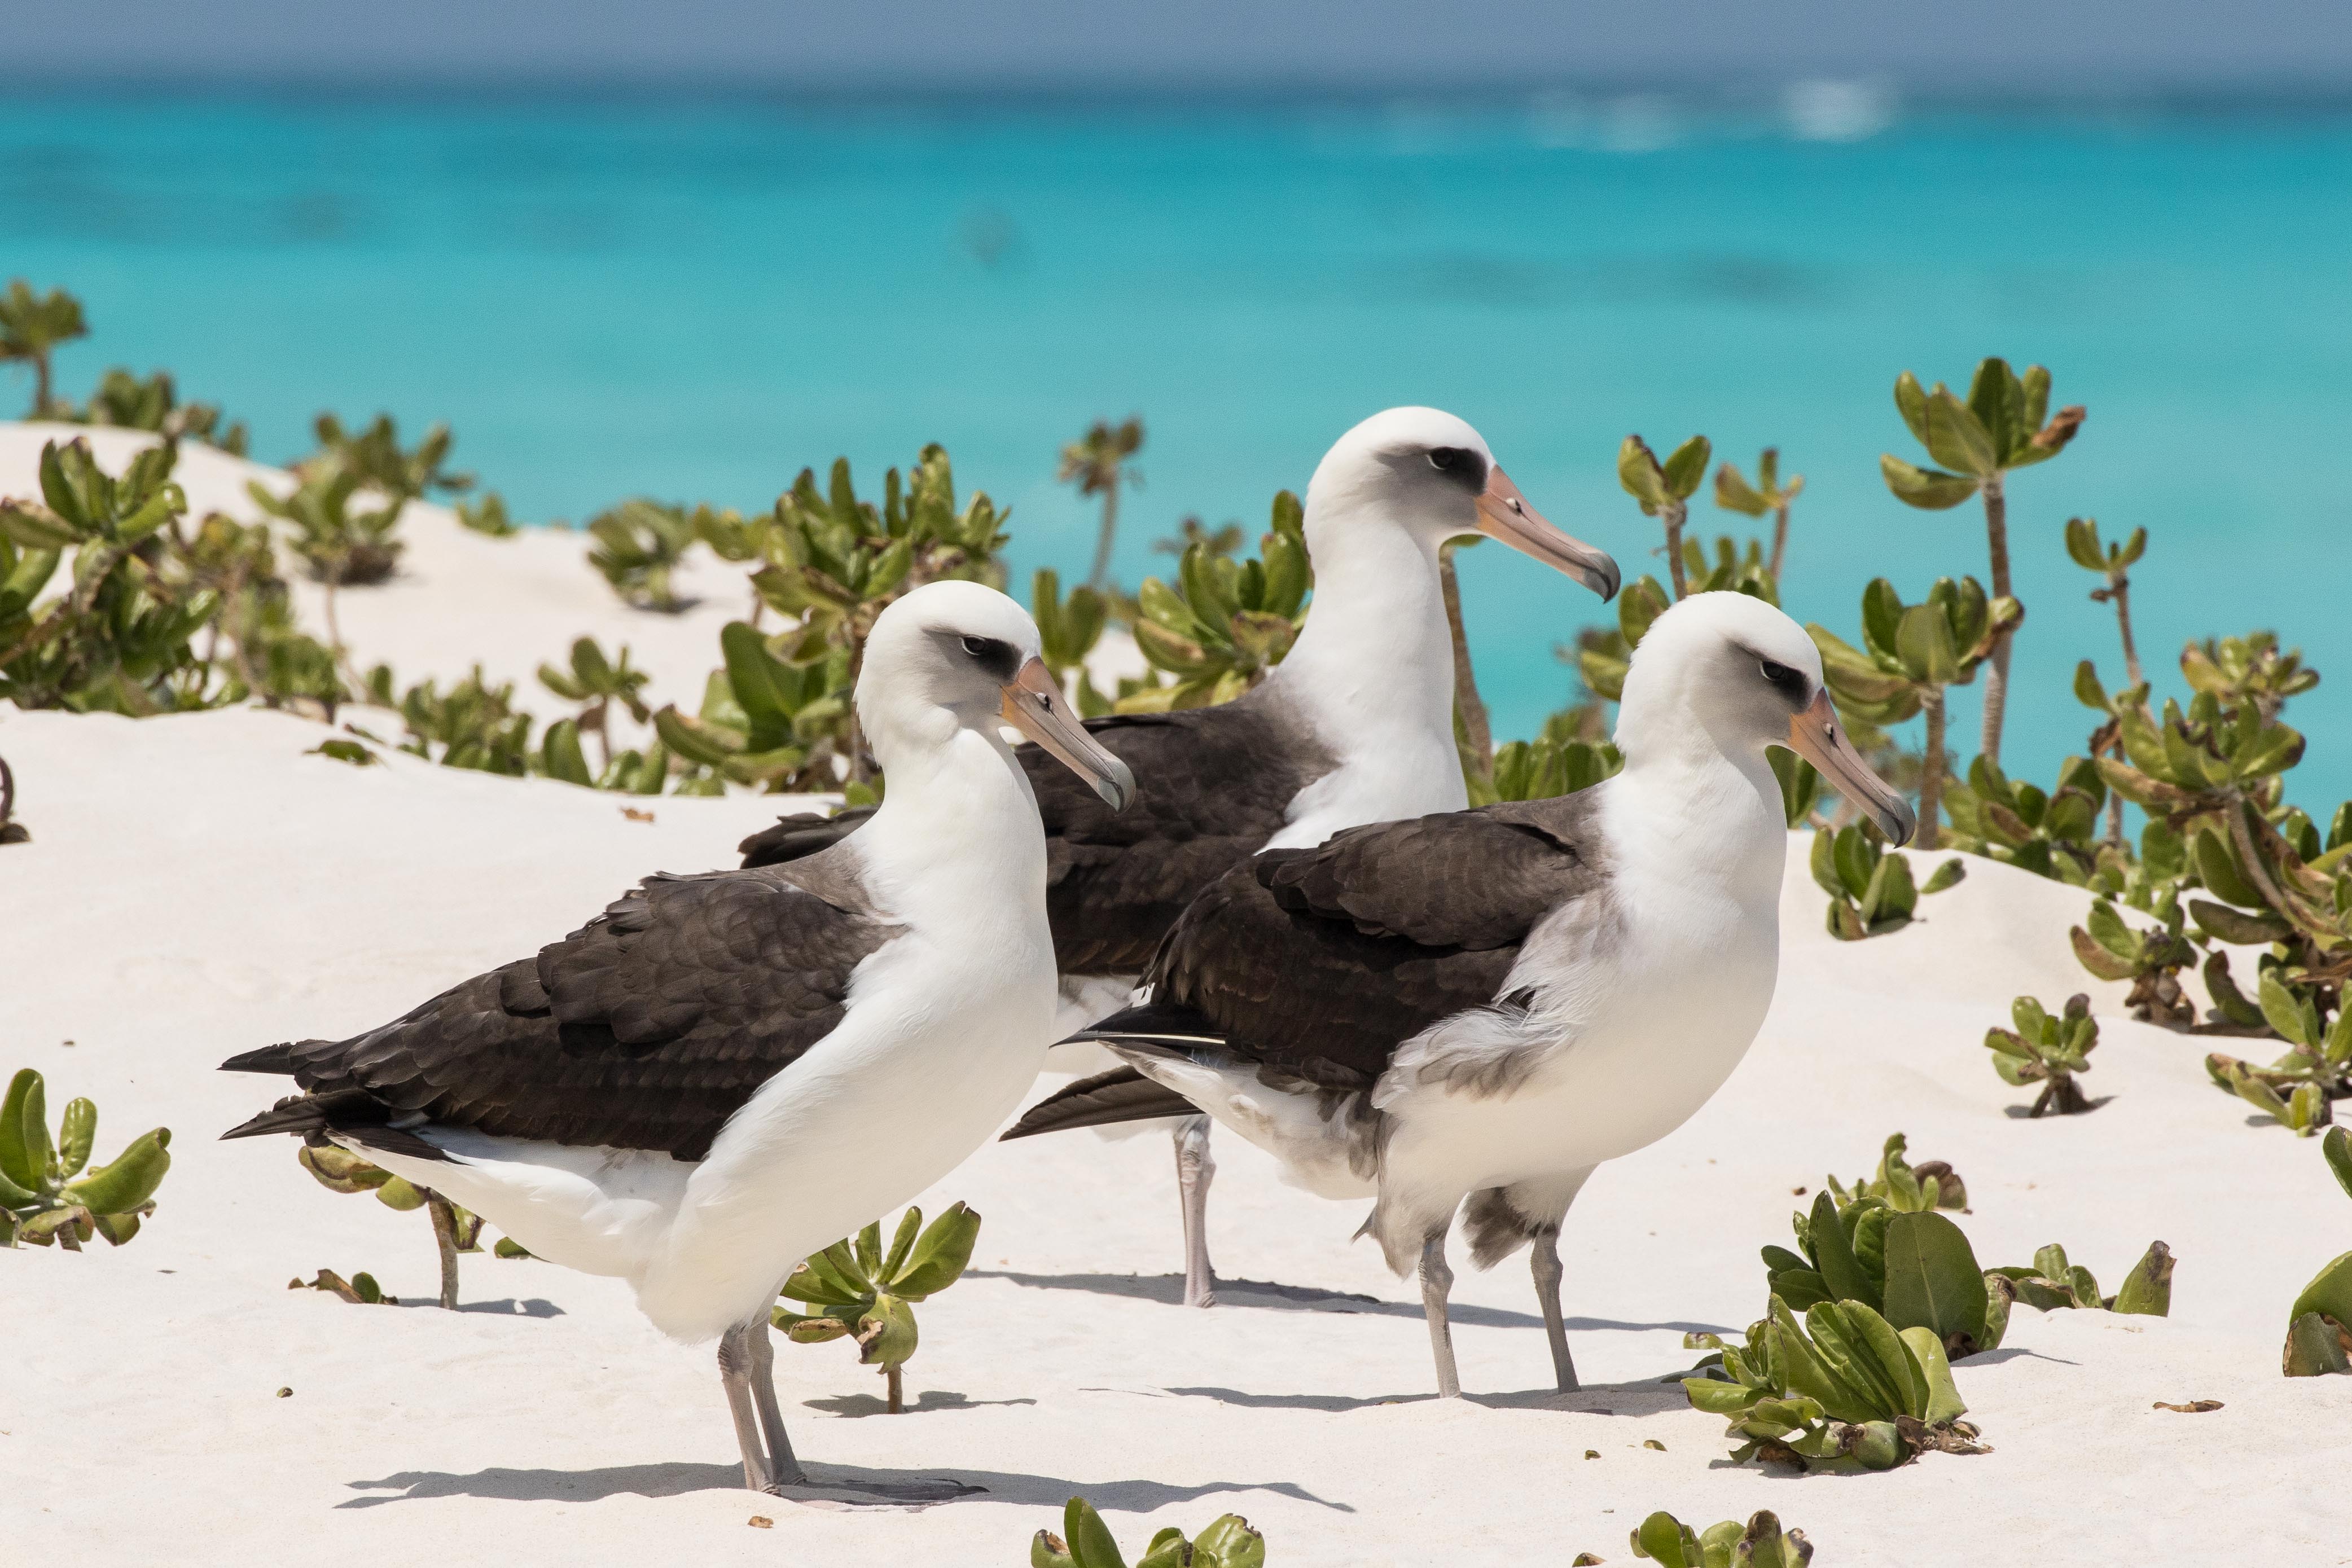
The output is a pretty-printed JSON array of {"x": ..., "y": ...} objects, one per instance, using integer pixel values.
[
  {"x": 353, "y": 1113},
  {"x": 295, "y": 1114},
  {"x": 278, "y": 1058},
  {"x": 1167, "y": 1027},
  {"x": 802, "y": 834},
  {"x": 1122, "y": 1094}
]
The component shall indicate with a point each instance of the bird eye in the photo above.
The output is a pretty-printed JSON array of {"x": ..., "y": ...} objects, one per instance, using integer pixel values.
[
  {"x": 1780, "y": 674},
  {"x": 978, "y": 647},
  {"x": 1448, "y": 459}
]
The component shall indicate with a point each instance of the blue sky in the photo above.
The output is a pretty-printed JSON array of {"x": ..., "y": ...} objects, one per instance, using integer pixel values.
[{"x": 2043, "y": 45}]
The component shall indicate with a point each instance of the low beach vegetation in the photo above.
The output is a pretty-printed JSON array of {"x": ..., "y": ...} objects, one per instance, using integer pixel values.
[
  {"x": 454, "y": 1230},
  {"x": 49, "y": 1195},
  {"x": 868, "y": 1293},
  {"x": 2319, "y": 1323},
  {"x": 1843, "y": 1391},
  {"x": 1085, "y": 1542},
  {"x": 1760, "y": 1543},
  {"x": 2050, "y": 1051}
]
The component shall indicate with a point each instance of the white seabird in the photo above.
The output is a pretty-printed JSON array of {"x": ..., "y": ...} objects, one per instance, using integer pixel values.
[
  {"x": 723, "y": 1074},
  {"x": 1354, "y": 726},
  {"x": 1486, "y": 1005}
]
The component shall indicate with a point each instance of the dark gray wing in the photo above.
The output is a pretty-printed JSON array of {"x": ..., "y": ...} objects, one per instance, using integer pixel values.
[
  {"x": 645, "y": 1029},
  {"x": 1318, "y": 963},
  {"x": 1212, "y": 786}
]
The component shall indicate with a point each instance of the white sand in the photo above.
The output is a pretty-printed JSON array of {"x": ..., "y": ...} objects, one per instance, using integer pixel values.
[{"x": 196, "y": 885}]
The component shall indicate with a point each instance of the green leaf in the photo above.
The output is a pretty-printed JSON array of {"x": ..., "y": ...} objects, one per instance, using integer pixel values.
[
  {"x": 1687, "y": 467},
  {"x": 2337, "y": 1149},
  {"x": 560, "y": 755},
  {"x": 940, "y": 1254},
  {"x": 2315, "y": 1347},
  {"x": 2146, "y": 1291},
  {"x": 1957, "y": 438},
  {"x": 1091, "y": 1545},
  {"x": 1933, "y": 1278},
  {"x": 16, "y": 1162},
  {"x": 2292, "y": 1016},
  {"x": 1230, "y": 1542},
  {"x": 1668, "y": 1542},
  {"x": 1998, "y": 401},
  {"x": 1911, "y": 402},
  {"x": 77, "y": 1131},
  {"x": 1923, "y": 640},
  {"x": 1833, "y": 1255},
  {"x": 1639, "y": 473},
  {"x": 128, "y": 1180},
  {"x": 1935, "y": 1371}
]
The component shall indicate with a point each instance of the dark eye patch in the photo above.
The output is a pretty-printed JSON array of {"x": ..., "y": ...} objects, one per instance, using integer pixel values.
[
  {"x": 1461, "y": 464},
  {"x": 1791, "y": 683},
  {"x": 997, "y": 657}
]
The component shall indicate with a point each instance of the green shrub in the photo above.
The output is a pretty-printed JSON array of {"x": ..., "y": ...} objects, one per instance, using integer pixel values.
[
  {"x": 1845, "y": 1391},
  {"x": 1761, "y": 1543},
  {"x": 869, "y": 1294},
  {"x": 48, "y": 1194},
  {"x": 1085, "y": 1542}
]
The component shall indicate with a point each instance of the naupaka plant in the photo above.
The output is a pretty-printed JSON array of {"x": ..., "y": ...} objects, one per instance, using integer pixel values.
[
  {"x": 2004, "y": 426},
  {"x": 1085, "y": 1542},
  {"x": 2052, "y": 1052},
  {"x": 766, "y": 720},
  {"x": 48, "y": 1194},
  {"x": 639, "y": 546},
  {"x": 31, "y": 327},
  {"x": 1225, "y": 623},
  {"x": 834, "y": 562},
  {"x": 1843, "y": 1391},
  {"x": 1664, "y": 490},
  {"x": 2054, "y": 1283},
  {"x": 868, "y": 1293},
  {"x": 1770, "y": 493},
  {"x": 1871, "y": 888},
  {"x": 1760, "y": 1543},
  {"x": 1910, "y": 654},
  {"x": 2319, "y": 1325},
  {"x": 118, "y": 638},
  {"x": 454, "y": 1230}
]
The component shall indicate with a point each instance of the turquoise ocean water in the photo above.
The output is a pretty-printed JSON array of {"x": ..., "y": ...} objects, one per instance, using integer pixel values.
[{"x": 696, "y": 297}]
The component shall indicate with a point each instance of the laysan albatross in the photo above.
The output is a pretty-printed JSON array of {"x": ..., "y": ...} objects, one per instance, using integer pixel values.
[
  {"x": 1354, "y": 726},
  {"x": 1486, "y": 1005},
  {"x": 725, "y": 1073}
]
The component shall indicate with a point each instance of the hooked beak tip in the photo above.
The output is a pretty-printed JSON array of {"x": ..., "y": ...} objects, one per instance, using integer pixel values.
[{"x": 1116, "y": 785}]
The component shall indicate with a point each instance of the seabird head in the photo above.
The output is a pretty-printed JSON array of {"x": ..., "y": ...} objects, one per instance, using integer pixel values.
[
  {"x": 955, "y": 655},
  {"x": 1426, "y": 471},
  {"x": 1750, "y": 678}
]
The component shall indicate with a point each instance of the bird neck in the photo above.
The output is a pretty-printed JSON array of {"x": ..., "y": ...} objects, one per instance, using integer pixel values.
[
  {"x": 958, "y": 829},
  {"x": 1372, "y": 670},
  {"x": 1699, "y": 810}
]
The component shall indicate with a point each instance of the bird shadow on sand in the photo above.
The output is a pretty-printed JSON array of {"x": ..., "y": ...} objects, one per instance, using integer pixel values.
[
  {"x": 680, "y": 1478},
  {"x": 1168, "y": 1290},
  {"x": 929, "y": 1401},
  {"x": 1612, "y": 1399},
  {"x": 504, "y": 1307}
]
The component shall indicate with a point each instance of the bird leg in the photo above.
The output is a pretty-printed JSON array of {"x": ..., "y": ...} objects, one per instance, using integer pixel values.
[
  {"x": 1543, "y": 1259},
  {"x": 1436, "y": 1282},
  {"x": 736, "y": 1362},
  {"x": 747, "y": 1364},
  {"x": 1194, "y": 1170},
  {"x": 782, "y": 1463}
]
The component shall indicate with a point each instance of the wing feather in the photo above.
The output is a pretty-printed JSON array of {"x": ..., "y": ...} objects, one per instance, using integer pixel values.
[{"x": 645, "y": 1029}]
